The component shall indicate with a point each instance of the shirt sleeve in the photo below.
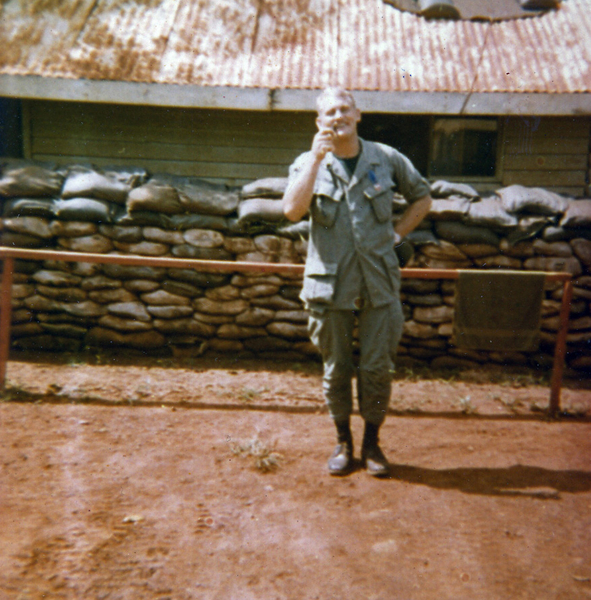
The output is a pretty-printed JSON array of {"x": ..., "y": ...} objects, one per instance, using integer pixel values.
[
  {"x": 411, "y": 184},
  {"x": 296, "y": 167}
]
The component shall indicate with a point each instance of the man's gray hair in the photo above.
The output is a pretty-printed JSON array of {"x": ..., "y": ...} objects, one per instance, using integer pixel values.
[{"x": 334, "y": 92}]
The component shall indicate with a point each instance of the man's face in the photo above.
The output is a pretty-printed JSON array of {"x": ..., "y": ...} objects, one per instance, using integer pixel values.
[{"x": 339, "y": 114}]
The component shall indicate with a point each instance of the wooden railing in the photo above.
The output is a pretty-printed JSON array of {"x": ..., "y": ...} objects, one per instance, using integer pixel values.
[{"x": 8, "y": 255}]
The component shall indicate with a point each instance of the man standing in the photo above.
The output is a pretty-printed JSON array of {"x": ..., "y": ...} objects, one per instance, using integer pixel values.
[{"x": 347, "y": 185}]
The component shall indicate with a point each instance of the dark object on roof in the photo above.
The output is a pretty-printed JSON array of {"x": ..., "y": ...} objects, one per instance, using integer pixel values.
[
  {"x": 494, "y": 10},
  {"x": 438, "y": 9}
]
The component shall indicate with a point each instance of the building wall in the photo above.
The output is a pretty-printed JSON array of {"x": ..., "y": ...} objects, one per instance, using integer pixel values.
[
  {"x": 239, "y": 146},
  {"x": 226, "y": 146},
  {"x": 552, "y": 153}
]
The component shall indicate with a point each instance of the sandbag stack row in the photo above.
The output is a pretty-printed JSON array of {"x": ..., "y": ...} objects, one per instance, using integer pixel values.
[
  {"x": 67, "y": 306},
  {"x": 516, "y": 228}
]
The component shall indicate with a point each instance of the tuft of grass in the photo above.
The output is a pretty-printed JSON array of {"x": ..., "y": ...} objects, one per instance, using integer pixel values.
[
  {"x": 416, "y": 373},
  {"x": 248, "y": 394},
  {"x": 513, "y": 404},
  {"x": 14, "y": 392},
  {"x": 577, "y": 410},
  {"x": 466, "y": 405},
  {"x": 265, "y": 459}
]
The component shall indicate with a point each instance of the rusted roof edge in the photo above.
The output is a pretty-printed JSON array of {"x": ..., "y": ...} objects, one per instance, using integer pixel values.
[
  {"x": 240, "y": 98},
  {"x": 128, "y": 92}
]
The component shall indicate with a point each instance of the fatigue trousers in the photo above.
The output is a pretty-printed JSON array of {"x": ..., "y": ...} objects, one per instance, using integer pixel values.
[{"x": 379, "y": 332}]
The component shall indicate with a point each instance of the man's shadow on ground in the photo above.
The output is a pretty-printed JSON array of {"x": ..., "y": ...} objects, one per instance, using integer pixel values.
[{"x": 517, "y": 480}]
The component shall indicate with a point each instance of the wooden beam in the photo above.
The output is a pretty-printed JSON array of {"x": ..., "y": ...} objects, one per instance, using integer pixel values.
[
  {"x": 544, "y": 178},
  {"x": 263, "y": 99},
  {"x": 543, "y": 162}
]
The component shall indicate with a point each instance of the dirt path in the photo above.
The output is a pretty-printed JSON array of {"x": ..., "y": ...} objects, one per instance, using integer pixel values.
[{"x": 136, "y": 482}]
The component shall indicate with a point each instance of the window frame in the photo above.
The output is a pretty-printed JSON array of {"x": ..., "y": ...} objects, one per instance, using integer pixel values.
[{"x": 484, "y": 179}]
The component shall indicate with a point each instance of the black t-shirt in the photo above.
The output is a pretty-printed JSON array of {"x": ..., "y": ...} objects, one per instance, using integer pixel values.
[{"x": 349, "y": 163}]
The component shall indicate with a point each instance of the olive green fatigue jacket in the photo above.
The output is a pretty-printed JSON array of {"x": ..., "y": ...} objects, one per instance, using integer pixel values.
[{"x": 351, "y": 257}]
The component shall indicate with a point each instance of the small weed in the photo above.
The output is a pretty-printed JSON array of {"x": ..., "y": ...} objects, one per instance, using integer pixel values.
[
  {"x": 466, "y": 405},
  {"x": 576, "y": 410},
  {"x": 248, "y": 394},
  {"x": 265, "y": 459},
  {"x": 415, "y": 373},
  {"x": 14, "y": 392},
  {"x": 521, "y": 380},
  {"x": 409, "y": 374},
  {"x": 142, "y": 391},
  {"x": 513, "y": 404}
]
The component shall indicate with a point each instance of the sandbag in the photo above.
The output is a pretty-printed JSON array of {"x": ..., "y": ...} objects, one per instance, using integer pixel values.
[
  {"x": 260, "y": 209},
  {"x": 556, "y": 234},
  {"x": 199, "y": 278},
  {"x": 445, "y": 189},
  {"x": 35, "y": 226},
  {"x": 205, "y": 201},
  {"x": 460, "y": 233},
  {"x": 132, "y": 272},
  {"x": 195, "y": 221},
  {"x": 404, "y": 252},
  {"x": 202, "y": 197},
  {"x": 32, "y": 181},
  {"x": 237, "y": 227},
  {"x": 155, "y": 196},
  {"x": 419, "y": 237},
  {"x": 135, "y": 176},
  {"x": 489, "y": 212},
  {"x": 269, "y": 187},
  {"x": 89, "y": 183},
  {"x": 13, "y": 239},
  {"x": 29, "y": 207},
  {"x": 443, "y": 250},
  {"x": 453, "y": 208},
  {"x": 146, "y": 218},
  {"x": 532, "y": 200},
  {"x": 527, "y": 228},
  {"x": 188, "y": 251},
  {"x": 84, "y": 209},
  {"x": 295, "y": 231},
  {"x": 577, "y": 215}
]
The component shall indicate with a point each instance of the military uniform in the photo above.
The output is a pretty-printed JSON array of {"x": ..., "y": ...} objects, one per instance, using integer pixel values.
[{"x": 352, "y": 266}]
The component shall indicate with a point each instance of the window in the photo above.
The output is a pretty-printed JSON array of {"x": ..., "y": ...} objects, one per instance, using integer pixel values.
[
  {"x": 439, "y": 147},
  {"x": 11, "y": 143},
  {"x": 463, "y": 147},
  {"x": 409, "y": 134}
]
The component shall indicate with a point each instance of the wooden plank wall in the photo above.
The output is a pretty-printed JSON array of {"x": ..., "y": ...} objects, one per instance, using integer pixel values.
[
  {"x": 552, "y": 153},
  {"x": 235, "y": 147},
  {"x": 227, "y": 146}
]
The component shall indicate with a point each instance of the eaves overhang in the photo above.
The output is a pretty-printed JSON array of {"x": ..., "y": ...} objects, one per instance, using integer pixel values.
[{"x": 265, "y": 99}]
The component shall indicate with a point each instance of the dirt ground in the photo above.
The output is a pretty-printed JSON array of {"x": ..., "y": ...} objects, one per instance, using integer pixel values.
[{"x": 128, "y": 479}]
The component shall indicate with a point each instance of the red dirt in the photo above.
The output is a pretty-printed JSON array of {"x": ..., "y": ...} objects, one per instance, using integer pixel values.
[{"x": 121, "y": 481}]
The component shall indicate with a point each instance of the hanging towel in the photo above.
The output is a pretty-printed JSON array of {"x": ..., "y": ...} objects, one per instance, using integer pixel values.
[{"x": 498, "y": 310}]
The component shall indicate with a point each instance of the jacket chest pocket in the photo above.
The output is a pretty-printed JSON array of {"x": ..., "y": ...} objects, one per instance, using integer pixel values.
[
  {"x": 325, "y": 207},
  {"x": 380, "y": 198}
]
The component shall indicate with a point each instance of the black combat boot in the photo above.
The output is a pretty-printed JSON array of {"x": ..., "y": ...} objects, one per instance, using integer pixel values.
[
  {"x": 341, "y": 460},
  {"x": 372, "y": 456}
]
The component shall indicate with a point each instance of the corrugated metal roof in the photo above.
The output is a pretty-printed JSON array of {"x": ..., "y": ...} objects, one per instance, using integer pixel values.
[{"x": 295, "y": 44}]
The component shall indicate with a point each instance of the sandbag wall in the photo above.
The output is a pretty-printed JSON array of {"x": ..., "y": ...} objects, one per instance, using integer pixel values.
[{"x": 69, "y": 306}]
